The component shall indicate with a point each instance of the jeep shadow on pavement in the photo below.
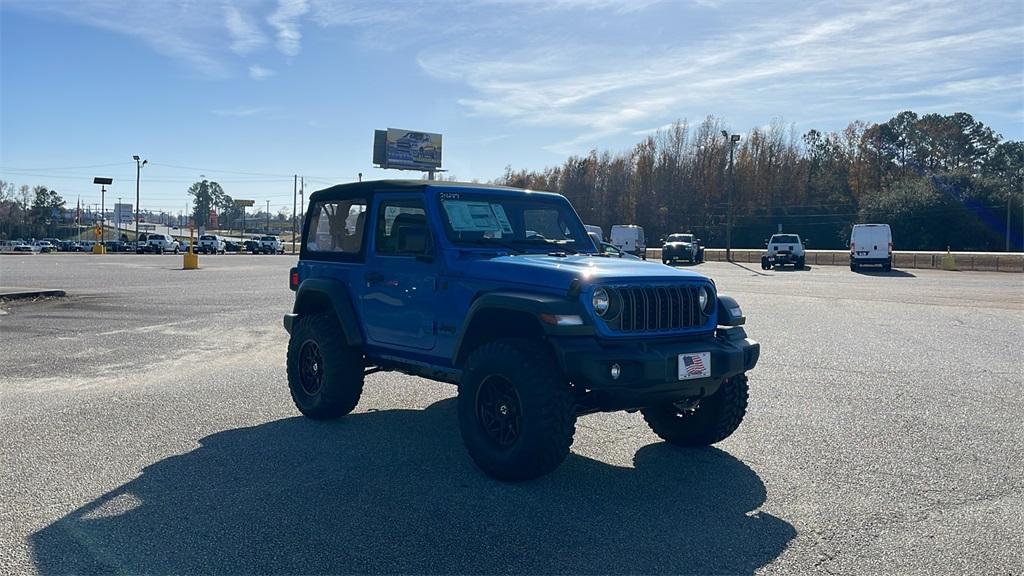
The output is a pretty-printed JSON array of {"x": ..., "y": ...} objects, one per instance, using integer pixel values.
[
  {"x": 391, "y": 492},
  {"x": 502, "y": 292}
]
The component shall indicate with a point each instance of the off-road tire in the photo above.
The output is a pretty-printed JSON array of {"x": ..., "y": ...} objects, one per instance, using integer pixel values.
[
  {"x": 546, "y": 410},
  {"x": 853, "y": 267},
  {"x": 887, "y": 267},
  {"x": 665, "y": 262},
  {"x": 800, "y": 263},
  {"x": 340, "y": 380},
  {"x": 714, "y": 420}
]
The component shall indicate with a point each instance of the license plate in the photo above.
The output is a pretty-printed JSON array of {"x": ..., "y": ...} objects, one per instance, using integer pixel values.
[{"x": 695, "y": 365}]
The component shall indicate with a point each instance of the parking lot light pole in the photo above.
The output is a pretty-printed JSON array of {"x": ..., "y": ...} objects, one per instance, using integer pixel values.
[
  {"x": 138, "y": 176},
  {"x": 295, "y": 204},
  {"x": 103, "y": 182},
  {"x": 732, "y": 140}
]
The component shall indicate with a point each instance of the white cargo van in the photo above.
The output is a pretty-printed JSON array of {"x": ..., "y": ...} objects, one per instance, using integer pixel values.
[
  {"x": 630, "y": 238},
  {"x": 871, "y": 244},
  {"x": 591, "y": 229}
]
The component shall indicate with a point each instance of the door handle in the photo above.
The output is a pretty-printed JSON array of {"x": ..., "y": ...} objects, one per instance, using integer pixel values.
[{"x": 374, "y": 278}]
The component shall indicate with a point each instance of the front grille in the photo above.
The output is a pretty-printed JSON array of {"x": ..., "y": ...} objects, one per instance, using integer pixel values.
[{"x": 657, "y": 308}]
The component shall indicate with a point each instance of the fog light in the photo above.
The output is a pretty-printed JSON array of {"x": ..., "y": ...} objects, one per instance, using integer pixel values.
[{"x": 615, "y": 371}]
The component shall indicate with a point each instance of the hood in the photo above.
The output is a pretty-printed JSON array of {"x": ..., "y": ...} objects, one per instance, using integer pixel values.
[{"x": 558, "y": 272}]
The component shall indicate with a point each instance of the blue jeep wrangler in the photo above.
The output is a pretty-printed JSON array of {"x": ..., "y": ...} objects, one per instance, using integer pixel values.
[{"x": 502, "y": 292}]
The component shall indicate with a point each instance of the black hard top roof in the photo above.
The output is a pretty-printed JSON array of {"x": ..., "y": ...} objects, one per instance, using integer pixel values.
[{"x": 369, "y": 187}]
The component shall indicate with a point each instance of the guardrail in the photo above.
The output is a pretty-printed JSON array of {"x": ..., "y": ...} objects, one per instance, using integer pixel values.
[{"x": 974, "y": 261}]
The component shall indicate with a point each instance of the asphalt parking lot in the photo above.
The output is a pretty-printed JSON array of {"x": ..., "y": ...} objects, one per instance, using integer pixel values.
[{"x": 145, "y": 426}]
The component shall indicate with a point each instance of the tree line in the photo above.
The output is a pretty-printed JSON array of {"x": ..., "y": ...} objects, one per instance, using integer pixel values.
[
  {"x": 937, "y": 180},
  {"x": 29, "y": 212}
]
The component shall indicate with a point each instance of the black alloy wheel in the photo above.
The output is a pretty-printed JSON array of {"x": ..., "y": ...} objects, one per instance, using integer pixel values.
[
  {"x": 499, "y": 410},
  {"x": 310, "y": 368}
]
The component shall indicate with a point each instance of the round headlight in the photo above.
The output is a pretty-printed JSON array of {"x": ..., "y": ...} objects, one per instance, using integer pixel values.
[
  {"x": 600, "y": 301},
  {"x": 702, "y": 295}
]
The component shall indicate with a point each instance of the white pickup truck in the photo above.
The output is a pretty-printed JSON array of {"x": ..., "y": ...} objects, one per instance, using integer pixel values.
[
  {"x": 784, "y": 249},
  {"x": 271, "y": 245},
  {"x": 211, "y": 244},
  {"x": 160, "y": 243}
]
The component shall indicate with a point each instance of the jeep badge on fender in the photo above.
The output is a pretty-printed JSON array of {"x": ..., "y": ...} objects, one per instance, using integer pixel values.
[{"x": 502, "y": 292}]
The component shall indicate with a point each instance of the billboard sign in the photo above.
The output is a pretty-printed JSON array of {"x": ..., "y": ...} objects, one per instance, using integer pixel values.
[
  {"x": 123, "y": 213},
  {"x": 244, "y": 203},
  {"x": 407, "y": 150}
]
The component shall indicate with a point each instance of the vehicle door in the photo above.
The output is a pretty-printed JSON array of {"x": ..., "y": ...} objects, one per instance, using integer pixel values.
[{"x": 398, "y": 291}]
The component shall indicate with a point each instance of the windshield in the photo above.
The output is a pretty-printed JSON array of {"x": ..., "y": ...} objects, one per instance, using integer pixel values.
[
  {"x": 522, "y": 223},
  {"x": 785, "y": 239},
  {"x": 680, "y": 238}
]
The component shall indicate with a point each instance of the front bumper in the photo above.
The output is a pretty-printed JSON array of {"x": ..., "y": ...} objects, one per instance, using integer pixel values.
[
  {"x": 649, "y": 369},
  {"x": 782, "y": 257},
  {"x": 678, "y": 252}
]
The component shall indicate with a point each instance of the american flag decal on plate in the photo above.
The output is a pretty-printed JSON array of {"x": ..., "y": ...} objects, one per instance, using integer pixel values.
[{"x": 695, "y": 365}]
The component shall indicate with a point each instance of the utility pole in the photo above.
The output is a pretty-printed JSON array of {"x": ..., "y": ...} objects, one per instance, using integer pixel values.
[
  {"x": 731, "y": 140},
  {"x": 268, "y": 216},
  {"x": 295, "y": 203}
]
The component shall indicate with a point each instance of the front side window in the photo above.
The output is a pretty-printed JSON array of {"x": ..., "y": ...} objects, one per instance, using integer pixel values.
[
  {"x": 336, "y": 226},
  {"x": 401, "y": 228},
  {"x": 523, "y": 223}
]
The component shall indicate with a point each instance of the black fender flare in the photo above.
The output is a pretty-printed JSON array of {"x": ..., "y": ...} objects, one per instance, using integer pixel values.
[
  {"x": 726, "y": 316},
  {"x": 525, "y": 303},
  {"x": 337, "y": 294}
]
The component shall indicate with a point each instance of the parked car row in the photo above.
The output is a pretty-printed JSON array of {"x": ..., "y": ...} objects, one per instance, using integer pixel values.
[
  {"x": 870, "y": 244},
  {"x": 153, "y": 243}
]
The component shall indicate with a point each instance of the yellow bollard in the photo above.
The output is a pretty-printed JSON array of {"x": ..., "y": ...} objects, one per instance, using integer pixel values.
[
  {"x": 191, "y": 261},
  {"x": 948, "y": 261},
  {"x": 99, "y": 249}
]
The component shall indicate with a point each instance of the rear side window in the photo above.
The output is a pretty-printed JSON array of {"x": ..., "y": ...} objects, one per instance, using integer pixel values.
[{"x": 337, "y": 227}]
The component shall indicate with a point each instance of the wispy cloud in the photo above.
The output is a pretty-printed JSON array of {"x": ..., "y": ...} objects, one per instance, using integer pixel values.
[
  {"x": 245, "y": 34},
  {"x": 257, "y": 72},
  {"x": 176, "y": 30},
  {"x": 818, "y": 56},
  {"x": 240, "y": 112},
  {"x": 286, "y": 21},
  {"x": 190, "y": 31}
]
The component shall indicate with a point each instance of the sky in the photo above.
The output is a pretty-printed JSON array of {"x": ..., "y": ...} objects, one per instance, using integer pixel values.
[{"x": 251, "y": 92}]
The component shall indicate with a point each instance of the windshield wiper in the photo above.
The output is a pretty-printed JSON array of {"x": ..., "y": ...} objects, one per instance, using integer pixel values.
[
  {"x": 492, "y": 243},
  {"x": 546, "y": 242}
]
